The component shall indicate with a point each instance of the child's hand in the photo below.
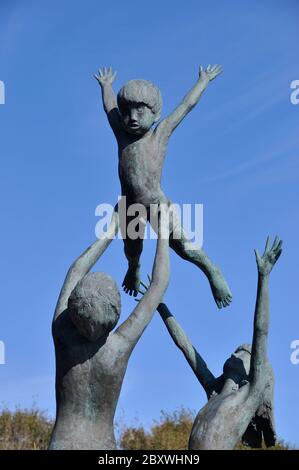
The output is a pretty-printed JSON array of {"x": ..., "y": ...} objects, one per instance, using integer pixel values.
[
  {"x": 211, "y": 72},
  {"x": 105, "y": 76},
  {"x": 266, "y": 262},
  {"x": 145, "y": 287}
]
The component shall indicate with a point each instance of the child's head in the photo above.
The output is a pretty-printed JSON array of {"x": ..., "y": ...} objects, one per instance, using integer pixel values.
[
  {"x": 140, "y": 104},
  {"x": 94, "y": 305}
]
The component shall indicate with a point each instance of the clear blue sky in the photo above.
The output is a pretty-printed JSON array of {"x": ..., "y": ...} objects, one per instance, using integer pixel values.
[{"x": 237, "y": 153}]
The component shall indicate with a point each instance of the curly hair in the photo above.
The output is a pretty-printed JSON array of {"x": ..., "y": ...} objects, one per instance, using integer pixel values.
[
  {"x": 94, "y": 305},
  {"x": 140, "y": 91}
]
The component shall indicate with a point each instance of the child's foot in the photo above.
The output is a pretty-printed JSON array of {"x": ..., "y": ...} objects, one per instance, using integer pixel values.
[
  {"x": 220, "y": 289},
  {"x": 131, "y": 281}
]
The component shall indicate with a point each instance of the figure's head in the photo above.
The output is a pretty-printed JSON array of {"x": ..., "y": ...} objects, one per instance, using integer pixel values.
[
  {"x": 140, "y": 104},
  {"x": 94, "y": 305},
  {"x": 238, "y": 365}
]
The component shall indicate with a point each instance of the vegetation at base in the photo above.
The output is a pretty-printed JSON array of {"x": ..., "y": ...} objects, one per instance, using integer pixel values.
[
  {"x": 24, "y": 429},
  {"x": 31, "y": 429},
  {"x": 170, "y": 432}
]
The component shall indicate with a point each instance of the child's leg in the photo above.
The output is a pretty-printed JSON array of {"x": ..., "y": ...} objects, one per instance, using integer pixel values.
[
  {"x": 133, "y": 250},
  {"x": 181, "y": 245},
  {"x": 220, "y": 289}
]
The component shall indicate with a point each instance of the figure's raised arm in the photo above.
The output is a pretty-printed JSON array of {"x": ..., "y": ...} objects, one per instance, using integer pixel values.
[
  {"x": 194, "y": 359},
  {"x": 82, "y": 265},
  {"x": 265, "y": 264},
  {"x": 105, "y": 78},
  {"x": 168, "y": 124},
  {"x": 131, "y": 329}
]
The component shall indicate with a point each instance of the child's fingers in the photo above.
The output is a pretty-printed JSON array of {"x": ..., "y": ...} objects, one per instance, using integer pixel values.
[
  {"x": 143, "y": 284},
  {"x": 267, "y": 247}
]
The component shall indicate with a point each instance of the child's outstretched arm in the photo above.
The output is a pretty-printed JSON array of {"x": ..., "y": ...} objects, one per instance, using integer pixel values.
[
  {"x": 105, "y": 79},
  {"x": 265, "y": 264},
  {"x": 191, "y": 99}
]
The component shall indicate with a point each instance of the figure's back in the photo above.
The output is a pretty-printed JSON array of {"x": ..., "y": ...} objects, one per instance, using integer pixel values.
[
  {"x": 88, "y": 383},
  {"x": 221, "y": 423}
]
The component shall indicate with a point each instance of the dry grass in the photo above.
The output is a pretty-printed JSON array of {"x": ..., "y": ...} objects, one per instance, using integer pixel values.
[
  {"x": 31, "y": 429},
  {"x": 170, "y": 432},
  {"x": 24, "y": 429}
]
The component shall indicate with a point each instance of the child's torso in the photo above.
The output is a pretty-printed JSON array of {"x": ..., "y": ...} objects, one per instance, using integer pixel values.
[{"x": 140, "y": 168}]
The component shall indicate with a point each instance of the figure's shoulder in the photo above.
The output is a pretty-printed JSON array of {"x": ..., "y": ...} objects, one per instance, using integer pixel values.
[
  {"x": 66, "y": 335},
  {"x": 117, "y": 343},
  {"x": 59, "y": 324},
  {"x": 162, "y": 129},
  {"x": 113, "y": 355}
]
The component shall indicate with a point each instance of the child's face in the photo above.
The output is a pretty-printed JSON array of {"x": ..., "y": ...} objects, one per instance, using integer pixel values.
[{"x": 137, "y": 118}]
